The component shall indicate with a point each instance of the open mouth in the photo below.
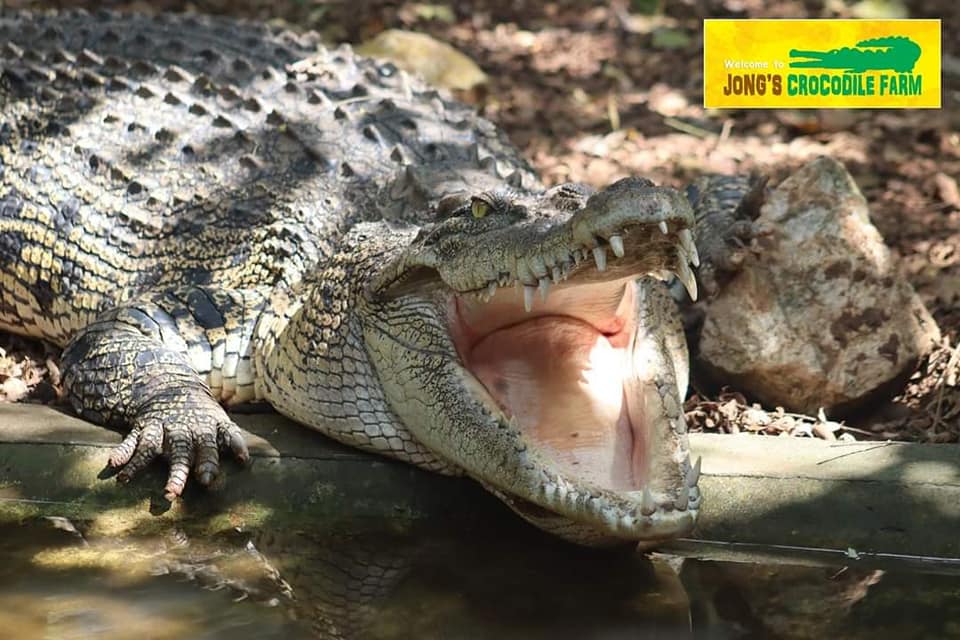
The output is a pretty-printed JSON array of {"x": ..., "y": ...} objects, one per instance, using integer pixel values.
[
  {"x": 572, "y": 363},
  {"x": 564, "y": 359},
  {"x": 562, "y": 373}
]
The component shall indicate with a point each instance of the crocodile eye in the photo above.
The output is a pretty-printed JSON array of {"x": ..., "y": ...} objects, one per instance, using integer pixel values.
[{"x": 479, "y": 208}]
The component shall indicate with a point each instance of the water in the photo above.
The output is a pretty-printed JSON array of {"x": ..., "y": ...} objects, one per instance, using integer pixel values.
[{"x": 493, "y": 579}]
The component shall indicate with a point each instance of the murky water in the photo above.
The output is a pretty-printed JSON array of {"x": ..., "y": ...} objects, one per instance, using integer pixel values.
[{"x": 495, "y": 580}]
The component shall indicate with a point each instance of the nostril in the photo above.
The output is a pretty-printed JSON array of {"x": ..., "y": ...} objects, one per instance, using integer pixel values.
[{"x": 570, "y": 196}]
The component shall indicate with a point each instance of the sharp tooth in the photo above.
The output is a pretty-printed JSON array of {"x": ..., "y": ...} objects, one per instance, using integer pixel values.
[
  {"x": 528, "y": 292},
  {"x": 609, "y": 516},
  {"x": 686, "y": 241},
  {"x": 616, "y": 243},
  {"x": 549, "y": 490},
  {"x": 693, "y": 476},
  {"x": 663, "y": 275},
  {"x": 664, "y": 229},
  {"x": 544, "y": 288},
  {"x": 561, "y": 493},
  {"x": 556, "y": 273},
  {"x": 647, "y": 506},
  {"x": 600, "y": 255},
  {"x": 682, "y": 500},
  {"x": 686, "y": 277},
  {"x": 492, "y": 289}
]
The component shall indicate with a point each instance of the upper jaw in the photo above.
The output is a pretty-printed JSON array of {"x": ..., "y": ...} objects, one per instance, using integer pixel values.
[{"x": 539, "y": 252}]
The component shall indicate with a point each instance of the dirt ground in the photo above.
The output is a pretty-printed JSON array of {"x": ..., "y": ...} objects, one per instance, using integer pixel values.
[{"x": 592, "y": 92}]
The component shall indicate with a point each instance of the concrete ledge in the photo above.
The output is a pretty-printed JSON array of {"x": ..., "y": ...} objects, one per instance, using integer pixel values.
[
  {"x": 51, "y": 464},
  {"x": 859, "y": 498},
  {"x": 871, "y": 498}
]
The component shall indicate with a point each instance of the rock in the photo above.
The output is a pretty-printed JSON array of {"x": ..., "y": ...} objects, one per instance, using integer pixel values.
[
  {"x": 821, "y": 318},
  {"x": 437, "y": 62}
]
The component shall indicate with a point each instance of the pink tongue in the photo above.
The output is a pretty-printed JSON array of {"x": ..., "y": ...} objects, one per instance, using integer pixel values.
[{"x": 563, "y": 381}]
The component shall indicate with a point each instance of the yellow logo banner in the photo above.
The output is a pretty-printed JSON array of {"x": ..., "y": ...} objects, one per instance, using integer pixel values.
[{"x": 796, "y": 64}]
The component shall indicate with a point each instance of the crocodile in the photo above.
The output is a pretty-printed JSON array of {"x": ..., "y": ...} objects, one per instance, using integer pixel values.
[{"x": 204, "y": 213}]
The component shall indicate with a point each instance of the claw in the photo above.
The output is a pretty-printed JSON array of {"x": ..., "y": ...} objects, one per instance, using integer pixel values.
[
  {"x": 124, "y": 451},
  {"x": 230, "y": 437},
  {"x": 149, "y": 446},
  {"x": 177, "y": 480}
]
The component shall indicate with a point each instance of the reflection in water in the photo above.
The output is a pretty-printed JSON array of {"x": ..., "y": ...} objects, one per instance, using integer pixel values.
[
  {"x": 503, "y": 581},
  {"x": 490, "y": 580},
  {"x": 752, "y": 601},
  {"x": 59, "y": 584}
]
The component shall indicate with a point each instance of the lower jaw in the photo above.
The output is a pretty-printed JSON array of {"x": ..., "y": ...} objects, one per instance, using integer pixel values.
[{"x": 592, "y": 534}]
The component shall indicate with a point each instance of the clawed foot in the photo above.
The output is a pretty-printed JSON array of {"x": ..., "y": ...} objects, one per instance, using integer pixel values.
[
  {"x": 726, "y": 209},
  {"x": 189, "y": 431}
]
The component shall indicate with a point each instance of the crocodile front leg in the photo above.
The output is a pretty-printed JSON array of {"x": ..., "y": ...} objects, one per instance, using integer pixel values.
[
  {"x": 149, "y": 367},
  {"x": 726, "y": 209}
]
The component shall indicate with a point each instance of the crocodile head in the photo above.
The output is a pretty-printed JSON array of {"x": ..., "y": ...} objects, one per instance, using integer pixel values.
[{"x": 519, "y": 338}]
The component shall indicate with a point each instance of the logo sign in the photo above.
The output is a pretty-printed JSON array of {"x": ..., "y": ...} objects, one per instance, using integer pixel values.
[{"x": 821, "y": 63}]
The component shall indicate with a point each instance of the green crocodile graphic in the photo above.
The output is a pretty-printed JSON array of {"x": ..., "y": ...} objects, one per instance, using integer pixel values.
[{"x": 891, "y": 53}]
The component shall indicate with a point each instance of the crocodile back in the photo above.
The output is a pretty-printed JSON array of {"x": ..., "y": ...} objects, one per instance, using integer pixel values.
[{"x": 141, "y": 153}]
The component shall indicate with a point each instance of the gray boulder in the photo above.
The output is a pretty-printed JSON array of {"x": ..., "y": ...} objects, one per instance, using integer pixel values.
[{"x": 821, "y": 317}]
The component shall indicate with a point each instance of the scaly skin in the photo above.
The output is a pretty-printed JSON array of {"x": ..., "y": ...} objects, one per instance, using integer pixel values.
[
  {"x": 204, "y": 212},
  {"x": 726, "y": 209}
]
